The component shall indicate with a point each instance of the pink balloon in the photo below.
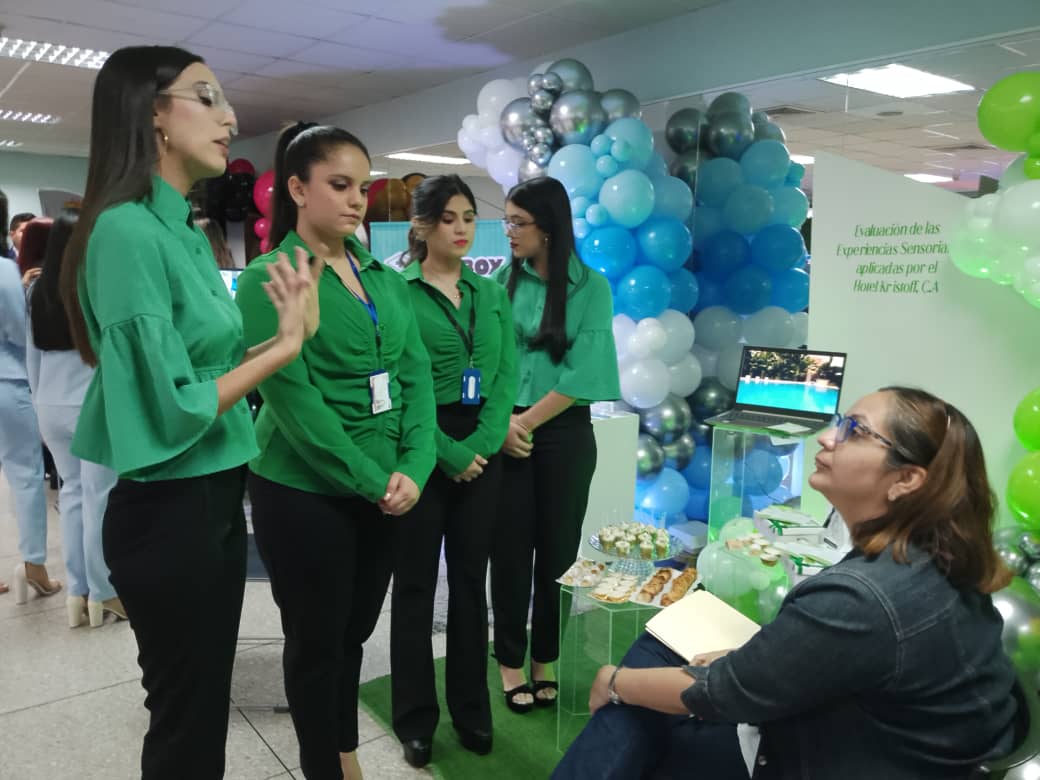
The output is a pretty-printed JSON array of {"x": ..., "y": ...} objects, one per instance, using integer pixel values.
[
  {"x": 241, "y": 165},
  {"x": 265, "y": 245},
  {"x": 262, "y": 227},
  {"x": 263, "y": 192}
]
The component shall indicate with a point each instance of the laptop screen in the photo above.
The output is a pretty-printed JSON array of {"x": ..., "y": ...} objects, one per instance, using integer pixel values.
[
  {"x": 230, "y": 277},
  {"x": 791, "y": 380}
]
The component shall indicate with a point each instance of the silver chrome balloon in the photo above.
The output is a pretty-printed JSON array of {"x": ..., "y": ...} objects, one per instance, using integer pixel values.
[
  {"x": 577, "y": 117},
  {"x": 573, "y": 74},
  {"x": 529, "y": 170},
  {"x": 677, "y": 454},
  {"x": 1019, "y": 605},
  {"x": 684, "y": 128},
  {"x": 534, "y": 83},
  {"x": 770, "y": 131},
  {"x": 542, "y": 101},
  {"x": 685, "y": 167},
  {"x": 552, "y": 82},
  {"x": 1032, "y": 575},
  {"x": 543, "y": 135},
  {"x": 1029, "y": 543},
  {"x": 1013, "y": 558},
  {"x": 730, "y": 134},
  {"x": 649, "y": 455},
  {"x": 514, "y": 120},
  {"x": 540, "y": 154},
  {"x": 619, "y": 104},
  {"x": 729, "y": 102},
  {"x": 667, "y": 421}
]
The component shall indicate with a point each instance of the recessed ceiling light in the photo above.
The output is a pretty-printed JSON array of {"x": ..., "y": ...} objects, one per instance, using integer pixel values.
[
  {"x": 898, "y": 81},
  {"x": 8, "y": 144},
  {"x": 428, "y": 158},
  {"x": 30, "y": 117},
  {"x": 803, "y": 159},
  {"x": 928, "y": 178},
  {"x": 54, "y": 53},
  {"x": 377, "y": 173}
]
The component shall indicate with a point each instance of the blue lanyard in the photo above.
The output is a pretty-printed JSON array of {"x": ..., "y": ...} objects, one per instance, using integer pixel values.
[{"x": 369, "y": 305}]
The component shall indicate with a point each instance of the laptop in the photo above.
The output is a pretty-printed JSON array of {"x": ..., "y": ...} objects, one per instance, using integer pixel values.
[
  {"x": 795, "y": 390},
  {"x": 230, "y": 277}
]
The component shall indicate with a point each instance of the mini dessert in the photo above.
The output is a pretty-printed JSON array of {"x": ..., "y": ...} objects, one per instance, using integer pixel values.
[
  {"x": 770, "y": 559},
  {"x": 646, "y": 550},
  {"x": 623, "y": 547},
  {"x": 680, "y": 585}
]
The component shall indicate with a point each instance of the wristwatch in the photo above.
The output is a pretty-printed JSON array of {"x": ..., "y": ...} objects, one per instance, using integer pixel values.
[{"x": 611, "y": 693}]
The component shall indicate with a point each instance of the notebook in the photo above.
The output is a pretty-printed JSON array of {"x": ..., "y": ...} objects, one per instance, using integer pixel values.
[
  {"x": 792, "y": 390},
  {"x": 701, "y": 623}
]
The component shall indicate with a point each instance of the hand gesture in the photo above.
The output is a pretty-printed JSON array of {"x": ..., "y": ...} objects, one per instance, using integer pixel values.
[
  {"x": 31, "y": 276},
  {"x": 705, "y": 659},
  {"x": 290, "y": 291},
  {"x": 473, "y": 470},
  {"x": 401, "y": 494},
  {"x": 518, "y": 440}
]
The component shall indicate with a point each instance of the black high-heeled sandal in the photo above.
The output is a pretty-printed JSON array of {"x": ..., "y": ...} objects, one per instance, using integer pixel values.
[
  {"x": 520, "y": 707},
  {"x": 544, "y": 685}
]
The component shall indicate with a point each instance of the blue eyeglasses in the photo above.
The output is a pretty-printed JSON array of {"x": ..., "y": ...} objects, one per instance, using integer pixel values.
[{"x": 846, "y": 427}]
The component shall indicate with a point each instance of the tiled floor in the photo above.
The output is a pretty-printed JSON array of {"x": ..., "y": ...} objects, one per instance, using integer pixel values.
[{"x": 71, "y": 703}]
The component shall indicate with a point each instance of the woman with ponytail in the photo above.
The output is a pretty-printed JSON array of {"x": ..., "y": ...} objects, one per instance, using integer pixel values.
[
  {"x": 346, "y": 436},
  {"x": 165, "y": 408},
  {"x": 887, "y": 664}
]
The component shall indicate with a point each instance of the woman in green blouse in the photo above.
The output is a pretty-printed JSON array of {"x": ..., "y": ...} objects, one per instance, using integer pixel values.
[
  {"x": 346, "y": 437},
  {"x": 562, "y": 313},
  {"x": 467, "y": 326},
  {"x": 165, "y": 407}
]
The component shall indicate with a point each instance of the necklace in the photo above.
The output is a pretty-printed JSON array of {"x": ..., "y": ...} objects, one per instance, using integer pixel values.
[{"x": 449, "y": 287}]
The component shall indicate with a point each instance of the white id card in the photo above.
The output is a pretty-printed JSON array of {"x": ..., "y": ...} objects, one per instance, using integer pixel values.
[{"x": 379, "y": 388}]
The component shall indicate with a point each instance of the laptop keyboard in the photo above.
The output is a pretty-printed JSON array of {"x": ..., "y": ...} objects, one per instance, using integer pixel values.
[{"x": 755, "y": 418}]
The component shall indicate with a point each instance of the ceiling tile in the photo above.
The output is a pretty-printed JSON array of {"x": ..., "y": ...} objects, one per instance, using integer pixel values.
[
  {"x": 82, "y": 36},
  {"x": 334, "y": 55},
  {"x": 205, "y": 9},
  {"x": 313, "y": 22},
  {"x": 538, "y": 35},
  {"x": 108, "y": 15},
  {"x": 224, "y": 59},
  {"x": 249, "y": 40}
]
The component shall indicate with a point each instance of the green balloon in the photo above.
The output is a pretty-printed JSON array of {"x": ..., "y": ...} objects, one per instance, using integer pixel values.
[
  {"x": 1031, "y": 167},
  {"x": 972, "y": 253},
  {"x": 1009, "y": 112},
  {"x": 1027, "y": 421},
  {"x": 1023, "y": 491}
]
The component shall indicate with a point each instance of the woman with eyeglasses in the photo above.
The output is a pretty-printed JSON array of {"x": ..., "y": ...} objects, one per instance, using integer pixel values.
[
  {"x": 165, "y": 409},
  {"x": 887, "y": 664},
  {"x": 562, "y": 313}
]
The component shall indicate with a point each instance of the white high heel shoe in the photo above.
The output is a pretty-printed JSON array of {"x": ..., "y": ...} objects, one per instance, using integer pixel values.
[
  {"x": 76, "y": 610},
  {"x": 96, "y": 610},
  {"x": 21, "y": 582}
]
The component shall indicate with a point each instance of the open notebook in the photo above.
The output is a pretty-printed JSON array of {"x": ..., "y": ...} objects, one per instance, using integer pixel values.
[{"x": 701, "y": 623}]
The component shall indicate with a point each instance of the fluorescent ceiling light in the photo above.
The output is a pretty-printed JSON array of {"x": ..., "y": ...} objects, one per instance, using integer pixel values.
[
  {"x": 928, "y": 178},
  {"x": 54, "y": 53},
  {"x": 898, "y": 81},
  {"x": 803, "y": 159},
  {"x": 428, "y": 158},
  {"x": 377, "y": 173},
  {"x": 10, "y": 115},
  {"x": 7, "y": 144}
]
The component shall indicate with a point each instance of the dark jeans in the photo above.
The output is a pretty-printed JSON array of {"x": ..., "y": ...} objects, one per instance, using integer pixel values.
[
  {"x": 329, "y": 559},
  {"x": 177, "y": 554},
  {"x": 538, "y": 533},
  {"x": 627, "y": 743},
  {"x": 462, "y": 516}
]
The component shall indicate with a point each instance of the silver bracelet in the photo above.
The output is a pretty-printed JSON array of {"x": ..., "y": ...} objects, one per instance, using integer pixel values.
[{"x": 611, "y": 693}]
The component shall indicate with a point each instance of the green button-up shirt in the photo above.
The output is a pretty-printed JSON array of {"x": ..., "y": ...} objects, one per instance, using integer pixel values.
[
  {"x": 316, "y": 429},
  {"x": 494, "y": 354},
  {"x": 588, "y": 371},
  {"x": 164, "y": 328}
]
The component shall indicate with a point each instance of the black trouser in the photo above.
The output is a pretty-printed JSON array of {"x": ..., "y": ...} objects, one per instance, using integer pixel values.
[
  {"x": 177, "y": 554},
  {"x": 462, "y": 515},
  {"x": 329, "y": 559},
  {"x": 542, "y": 507}
]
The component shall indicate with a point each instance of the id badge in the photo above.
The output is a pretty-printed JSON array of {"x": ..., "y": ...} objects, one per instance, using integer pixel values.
[
  {"x": 471, "y": 386},
  {"x": 379, "y": 389}
]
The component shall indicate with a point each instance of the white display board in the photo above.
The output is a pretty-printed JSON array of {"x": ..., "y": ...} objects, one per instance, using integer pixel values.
[{"x": 884, "y": 290}]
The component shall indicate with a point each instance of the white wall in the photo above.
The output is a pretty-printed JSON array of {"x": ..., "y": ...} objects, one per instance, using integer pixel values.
[{"x": 21, "y": 175}]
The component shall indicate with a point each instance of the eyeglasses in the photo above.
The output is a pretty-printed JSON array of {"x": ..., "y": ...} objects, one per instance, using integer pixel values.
[
  {"x": 512, "y": 226},
  {"x": 205, "y": 93},
  {"x": 846, "y": 427}
]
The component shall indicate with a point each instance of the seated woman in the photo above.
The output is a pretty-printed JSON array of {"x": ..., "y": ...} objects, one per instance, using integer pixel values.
[{"x": 888, "y": 664}]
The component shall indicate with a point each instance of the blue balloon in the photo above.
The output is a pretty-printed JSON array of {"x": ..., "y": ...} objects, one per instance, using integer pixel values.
[
  {"x": 672, "y": 198},
  {"x": 600, "y": 145},
  {"x": 638, "y": 137},
  {"x": 684, "y": 290},
  {"x": 724, "y": 253},
  {"x": 628, "y": 197},
  {"x": 790, "y": 206},
  {"x": 763, "y": 472},
  {"x": 795, "y": 173},
  {"x": 716, "y": 179},
  {"x": 669, "y": 493},
  {"x": 643, "y": 487},
  {"x": 643, "y": 292},
  {"x": 574, "y": 166},
  {"x": 707, "y": 221},
  {"x": 597, "y": 215},
  {"x": 765, "y": 163},
  {"x": 709, "y": 292},
  {"x": 657, "y": 167},
  {"x": 665, "y": 242},
  {"x": 777, "y": 248},
  {"x": 580, "y": 205},
  {"x": 581, "y": 228},
  {"x": 698, "y": 470},
  {"x": 607, "y": 166},
  {"x": 697, "y": 504},
  {"x": 803, "y": 263},
  {"x": 790, "y": 290},
  {"x": 610, "y": 250},
  {"x": 748, "y": 209},
  {"x": 621, "y": 150},
  {"x": 747, "y": 290}
]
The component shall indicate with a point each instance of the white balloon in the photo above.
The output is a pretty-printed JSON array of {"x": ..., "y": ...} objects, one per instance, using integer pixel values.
[
  {"x": 716, "y": 327},
  {"x": 729, "y": 365},
  {"x": 800, "y": 329},
  {"x": 1018, "y": 215},
  {"x": 709, "y": 359},
  {"x": 474, "y": 150},
  {"x": 471, "y": 124},
  {"x": 623, "y": 327},
  {"x": 769, "y": 327},
  {"x": 685, "y": 375},
  {"x": 986, "y": 206},
  {"x": 503, "y": 166},
  {"x": 649, "y": 337},
  {"x": 644, "y": 383},
  {"x": 494, "y": 96},
  {"x": 679, "y": 334},
  {"x": 491, "y": 138},
  {"x": 1014, "y": 174}
]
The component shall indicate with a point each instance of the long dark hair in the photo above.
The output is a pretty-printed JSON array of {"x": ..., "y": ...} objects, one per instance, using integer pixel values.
[
  {"x": 546, "y": 201},
  {"x": 950, "y": 516},
  {"x": 34, "y": 243},
  {"x": 429, "y": 199},
  {"x": 123, "y": 153},
  {"x": 3, "y": 224},
  {"x": 299, "y": 147},
  {"x": 50, "y": 324}
]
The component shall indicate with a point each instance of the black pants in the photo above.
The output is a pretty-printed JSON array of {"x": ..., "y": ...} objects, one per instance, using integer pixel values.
[
  {"x": 177, "y": 553},
  {"x": 462, "y": 516},
  {"x": 329, "y": 559},
  {"x": 542, "y": 507}
]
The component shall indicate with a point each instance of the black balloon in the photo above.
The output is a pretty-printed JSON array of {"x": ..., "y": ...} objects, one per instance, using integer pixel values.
[
  {"x": 685, "y": 167},
  {"x": 667, "y": 421},
  {"x": 684, "y": 129},
  {"x": 730, "y": 134},
  {"x": 677, "y": 454},
  {"x": 729, "y": 102},
  {"x": 700, "y": 431},
  {"x": 711, "y": 398},
  {"x": 769, "y": 130}
]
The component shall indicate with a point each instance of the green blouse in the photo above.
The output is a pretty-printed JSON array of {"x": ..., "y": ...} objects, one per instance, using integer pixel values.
[
  {"x": 316, "y": 429},
  {"x": 164, "y": 328},
  {"x": 494, "y": 354},
  {"x": 588, "y": 371}
]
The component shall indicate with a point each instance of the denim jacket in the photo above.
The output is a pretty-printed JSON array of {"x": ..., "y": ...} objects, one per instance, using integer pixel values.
[{"x": 872, "y": 669}]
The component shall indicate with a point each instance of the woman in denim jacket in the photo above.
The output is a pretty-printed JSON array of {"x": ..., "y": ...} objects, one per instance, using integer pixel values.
[{"x": 887, "y": 665}]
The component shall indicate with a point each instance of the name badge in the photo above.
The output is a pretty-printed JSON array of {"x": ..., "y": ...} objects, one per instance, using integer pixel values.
[
  {"x": 379, "y": 389},
  {"x": 471, "y": 386}
]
